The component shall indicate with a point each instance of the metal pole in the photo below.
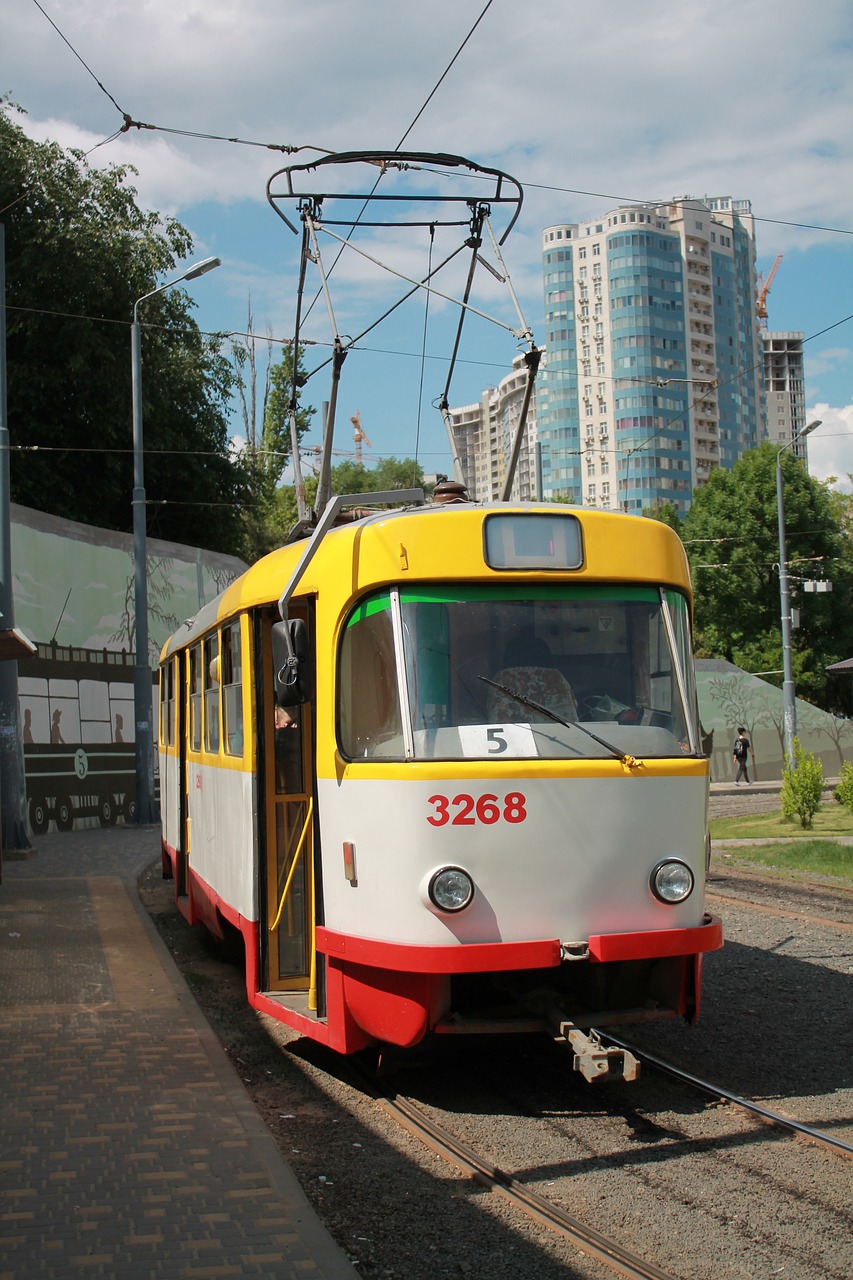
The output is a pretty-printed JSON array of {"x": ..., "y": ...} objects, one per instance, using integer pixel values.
[
  {"x": 789, "y": 697},
  {"x": 146, "y": 808},
  {"x": 13, "y": 827},
  {"x": 142, "y": 702},
  {"x": 789, "y": 701}
]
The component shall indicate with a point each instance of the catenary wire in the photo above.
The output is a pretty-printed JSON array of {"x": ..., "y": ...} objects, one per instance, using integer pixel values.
[{"x": 129, "y": 122}]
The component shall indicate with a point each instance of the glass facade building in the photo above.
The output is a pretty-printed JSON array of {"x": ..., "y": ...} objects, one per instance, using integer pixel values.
[{"x": 654, "y": 373}]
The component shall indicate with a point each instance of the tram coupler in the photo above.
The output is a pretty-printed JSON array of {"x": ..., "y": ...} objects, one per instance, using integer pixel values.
[{"x": 597, "y": 1062}]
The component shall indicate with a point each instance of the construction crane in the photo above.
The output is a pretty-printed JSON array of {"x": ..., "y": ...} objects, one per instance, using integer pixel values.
[
  {"x": 763, "y": 290},
  {"x": 358, "y": 435}
]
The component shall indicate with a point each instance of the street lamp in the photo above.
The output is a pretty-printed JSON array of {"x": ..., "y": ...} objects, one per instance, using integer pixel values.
[
  {"x": 789, "y": 701},
  {"x": 145, "y": 808}
]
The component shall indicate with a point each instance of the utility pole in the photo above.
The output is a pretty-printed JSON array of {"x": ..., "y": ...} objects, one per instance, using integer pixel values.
[
  {"x": 789, "y": 696},
  {"x": 146, "y": 805}
]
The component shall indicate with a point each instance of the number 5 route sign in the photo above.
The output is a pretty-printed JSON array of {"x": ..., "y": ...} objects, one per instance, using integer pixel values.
[{"x": 497, "y": 741}]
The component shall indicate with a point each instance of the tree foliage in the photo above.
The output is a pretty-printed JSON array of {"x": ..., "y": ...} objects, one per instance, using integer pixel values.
[
  {"x": 347, "y": 477},
  {"x": 79, "y": 253},
  {"x": 731, "y": 535},
  {"x": 843, "y": 792},
  {"x": 666, "y": 513},
  {"x": 266, "y": 421},
  {"x": 802, "y": 786}
]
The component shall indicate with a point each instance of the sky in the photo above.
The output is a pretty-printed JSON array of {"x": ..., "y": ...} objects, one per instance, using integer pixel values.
[{"x": 587, "y": 106}]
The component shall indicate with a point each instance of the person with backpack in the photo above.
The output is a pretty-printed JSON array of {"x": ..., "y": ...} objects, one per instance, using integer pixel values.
[{"x": 740, "y": 755}]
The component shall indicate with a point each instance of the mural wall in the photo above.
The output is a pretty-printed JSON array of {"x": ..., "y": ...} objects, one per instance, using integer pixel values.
[
  {"x": 73, "y": 584},
  {"x": 73, "y": 591},
  {"x": 729, "y": 697}
]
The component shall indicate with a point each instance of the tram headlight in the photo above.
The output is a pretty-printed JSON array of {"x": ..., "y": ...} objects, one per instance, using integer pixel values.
[
  {"x": 451, "y": 889},
  {"x": 672, "y": 881}
]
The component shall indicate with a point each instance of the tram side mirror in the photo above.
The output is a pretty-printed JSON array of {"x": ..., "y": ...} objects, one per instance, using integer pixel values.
[{"x": 290, "y": 662}]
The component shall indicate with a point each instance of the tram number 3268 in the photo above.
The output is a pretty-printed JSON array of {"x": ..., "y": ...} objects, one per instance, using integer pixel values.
[{"x": 468, "y": 811}]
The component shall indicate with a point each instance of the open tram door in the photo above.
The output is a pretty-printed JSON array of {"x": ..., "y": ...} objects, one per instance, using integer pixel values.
[{"x": 287, "y": 737}]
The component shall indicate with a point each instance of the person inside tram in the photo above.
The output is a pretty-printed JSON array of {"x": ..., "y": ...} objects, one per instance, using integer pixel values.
[
  {"x": 288, "y": 752},
  {"x": 529, "y": 669}
]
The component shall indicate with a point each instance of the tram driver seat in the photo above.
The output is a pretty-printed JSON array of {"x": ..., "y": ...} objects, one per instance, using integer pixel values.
[{"x": 526, "y": 671}]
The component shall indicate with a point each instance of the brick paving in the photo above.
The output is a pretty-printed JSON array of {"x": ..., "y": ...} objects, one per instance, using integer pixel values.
[{"x": 129, "y": 1147}]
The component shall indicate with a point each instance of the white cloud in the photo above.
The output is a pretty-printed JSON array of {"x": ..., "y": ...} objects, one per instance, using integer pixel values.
[
  {"x": 646, "y": 102},
  {"x": 717, "y": 97},
  {"x": 831, "y": 445}
]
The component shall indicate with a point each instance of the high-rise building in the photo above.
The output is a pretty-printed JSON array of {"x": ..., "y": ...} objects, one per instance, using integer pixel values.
[
  {"x": 484, "y": 435},
  {"x": 784, "y": 389},
  {"x": 654, "y": 370}
]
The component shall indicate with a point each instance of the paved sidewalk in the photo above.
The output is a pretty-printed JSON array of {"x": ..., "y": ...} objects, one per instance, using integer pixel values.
[
  {"x": 730, "y": 800},
  {"x": 129, "y": 1147}
]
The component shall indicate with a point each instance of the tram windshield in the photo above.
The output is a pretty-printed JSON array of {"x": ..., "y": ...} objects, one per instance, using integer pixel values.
[{"x": 475, "y": 671}]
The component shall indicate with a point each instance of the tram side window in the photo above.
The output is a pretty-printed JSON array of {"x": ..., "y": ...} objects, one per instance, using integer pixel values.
[
  {"x": 232, "y": 689},
  {"x": 211, "y": 674},
  {"x": 195, "y": 697},
  {"x": 370, "y": 721},
  {"x": 167, "y": 704}
]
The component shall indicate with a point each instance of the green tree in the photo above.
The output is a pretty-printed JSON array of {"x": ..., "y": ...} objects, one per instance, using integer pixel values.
[
  {"x": 265, "y": 396},
  {"x": 843, "y": 792},
  {"x": 347, "y": 477},
  {"x": 275, "y": 446},
  {"x": 802, "y": 786},
  {"x": 731, "y": 535},
  {"x": 79, "y": 252},
  {"x": 666, "y": 513},
  {"x": 388, "y": 473}
]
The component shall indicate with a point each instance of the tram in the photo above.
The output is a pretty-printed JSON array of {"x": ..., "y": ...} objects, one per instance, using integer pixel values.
[{"x": 440, "y": 767}]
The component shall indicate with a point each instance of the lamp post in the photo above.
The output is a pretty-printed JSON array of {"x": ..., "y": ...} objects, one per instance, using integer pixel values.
[
  {"x": 145, "y": 808},
  {"x": 789, "y": 701}
]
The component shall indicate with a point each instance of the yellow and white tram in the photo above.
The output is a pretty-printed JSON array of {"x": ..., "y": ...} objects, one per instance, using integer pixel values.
[{"x": 441, "y": 768}]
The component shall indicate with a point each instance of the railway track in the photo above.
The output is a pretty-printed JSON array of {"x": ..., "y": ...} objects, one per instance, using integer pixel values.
[
  {"x": 701, "y": 1189},
  {"x": 818, "y": 1136},
  {"x": 593, "y": 1242}
]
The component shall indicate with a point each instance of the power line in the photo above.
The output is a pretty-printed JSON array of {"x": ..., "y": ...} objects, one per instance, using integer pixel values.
[
  {"x": 78, "y": 57},
  {"x": 444, "y": 73},
  {"x": 292, "y": 148},
  {"x": 604, "y": 195}
]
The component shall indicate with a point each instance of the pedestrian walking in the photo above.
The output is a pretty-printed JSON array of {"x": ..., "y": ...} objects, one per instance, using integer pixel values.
[{"x": 740, "y": 755}]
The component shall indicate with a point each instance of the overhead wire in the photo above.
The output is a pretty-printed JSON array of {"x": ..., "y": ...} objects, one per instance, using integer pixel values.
[
  {"x": 79, "y": 58},
  {"x": 129, "y": 122},
  {"x": 290, "y": 148}
]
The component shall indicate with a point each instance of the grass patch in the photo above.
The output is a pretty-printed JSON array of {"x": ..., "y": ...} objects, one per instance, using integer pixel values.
[
  {"x": 830, "y": 820},
  {"x": 804, "y": 857}
]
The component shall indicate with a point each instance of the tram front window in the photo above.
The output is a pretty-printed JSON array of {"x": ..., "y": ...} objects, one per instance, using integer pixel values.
[{"x": 483, "y": 672}]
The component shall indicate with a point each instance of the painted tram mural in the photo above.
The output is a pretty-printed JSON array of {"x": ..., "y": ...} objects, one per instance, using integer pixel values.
[{"x": 77, "y": 724}]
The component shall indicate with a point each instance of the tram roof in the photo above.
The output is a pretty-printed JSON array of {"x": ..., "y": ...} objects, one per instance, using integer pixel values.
[{"x": 444, "y": 542}]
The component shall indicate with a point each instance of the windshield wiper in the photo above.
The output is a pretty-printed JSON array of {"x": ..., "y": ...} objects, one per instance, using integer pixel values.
[{"x": 627, "y": 760}]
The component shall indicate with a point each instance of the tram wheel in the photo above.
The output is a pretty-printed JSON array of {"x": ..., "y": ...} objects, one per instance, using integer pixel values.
[
  {"x": 63, "y": 812},
  {"x": 39, "y": 815},
  {"x": 107, "y": 812},
  {"x": 128, "y": 809}
]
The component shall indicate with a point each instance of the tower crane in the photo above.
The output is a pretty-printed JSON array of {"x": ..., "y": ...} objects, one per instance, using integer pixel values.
[
  {"x": 763, "y": 290},
  {"x": 358, "y": 435}
]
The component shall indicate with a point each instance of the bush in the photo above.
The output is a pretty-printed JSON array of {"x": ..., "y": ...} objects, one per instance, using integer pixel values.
[
  {"x": 843, "y": 793},
  {"x": 802, "y": 786}
]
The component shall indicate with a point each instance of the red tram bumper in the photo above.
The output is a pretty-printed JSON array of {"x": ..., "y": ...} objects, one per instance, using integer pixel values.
[
  {"x": 396, "y": 992},
  {"x": 483, "y": 957}
]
